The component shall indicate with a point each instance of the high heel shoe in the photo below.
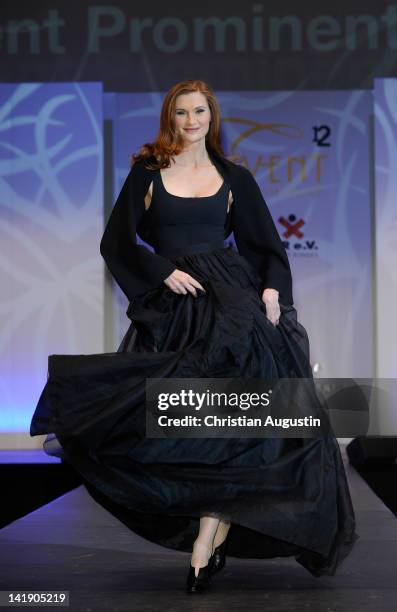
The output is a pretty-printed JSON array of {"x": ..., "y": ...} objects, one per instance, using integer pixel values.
[
  {"x": 217, "y": 560},
  {"x": 200, "y": 583}
]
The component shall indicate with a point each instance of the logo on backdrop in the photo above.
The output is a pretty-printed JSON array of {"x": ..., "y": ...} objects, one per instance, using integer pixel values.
[
  {"x": 321, "y": 134},
  {"x": 293, "y": 226},
  {"x": 288, "y": 169},
  {"x": 290, "y": 172},
  {"x": 295, "y": 241}
]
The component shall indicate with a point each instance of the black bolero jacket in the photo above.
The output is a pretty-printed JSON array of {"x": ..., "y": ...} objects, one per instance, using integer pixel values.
[{"x": 137, "y": 269}]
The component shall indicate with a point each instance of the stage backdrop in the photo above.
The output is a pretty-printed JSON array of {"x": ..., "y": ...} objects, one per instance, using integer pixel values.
[
  {"x": 51, "y": 220},
  {"x": 386, "y": 225},
  {"x": 309, "y": 152},
  {"x": 148, "y": 46}
]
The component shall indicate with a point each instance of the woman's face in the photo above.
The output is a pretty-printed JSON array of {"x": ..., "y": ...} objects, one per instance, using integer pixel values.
[{"x": 192, "y": 116}]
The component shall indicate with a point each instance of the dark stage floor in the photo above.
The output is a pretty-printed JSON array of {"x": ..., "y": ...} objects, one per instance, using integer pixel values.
[{"x": 74, "y": 544}]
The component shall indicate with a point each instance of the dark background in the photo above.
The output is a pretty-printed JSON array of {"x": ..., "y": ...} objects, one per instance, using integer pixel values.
[{"x": 323, "y": 44}]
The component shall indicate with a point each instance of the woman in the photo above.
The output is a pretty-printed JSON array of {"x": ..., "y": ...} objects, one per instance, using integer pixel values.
[{"x": 198, "y": 309}]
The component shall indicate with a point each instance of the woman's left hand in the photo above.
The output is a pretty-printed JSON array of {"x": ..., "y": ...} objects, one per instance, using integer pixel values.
[{"x": 270, "y": 299}]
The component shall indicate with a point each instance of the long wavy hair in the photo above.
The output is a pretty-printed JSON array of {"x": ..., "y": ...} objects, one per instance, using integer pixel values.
[{"x": 168, "y": 142}]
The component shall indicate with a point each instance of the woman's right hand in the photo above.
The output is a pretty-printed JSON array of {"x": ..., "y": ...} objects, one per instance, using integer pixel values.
[{"x": 181, "y": 282}]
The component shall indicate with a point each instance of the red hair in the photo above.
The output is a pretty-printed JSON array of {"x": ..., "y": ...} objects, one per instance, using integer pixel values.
[{"x": 168, "y": 142}]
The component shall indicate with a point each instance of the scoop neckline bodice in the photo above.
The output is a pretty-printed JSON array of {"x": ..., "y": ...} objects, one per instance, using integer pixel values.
[{"x": 173, "y": 195}]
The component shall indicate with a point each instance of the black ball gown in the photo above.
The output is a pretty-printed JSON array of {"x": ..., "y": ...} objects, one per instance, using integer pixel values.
[{"x": 284, "y": 496}]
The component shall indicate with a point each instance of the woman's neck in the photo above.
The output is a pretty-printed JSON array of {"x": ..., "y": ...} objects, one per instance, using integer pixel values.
[{"x": 193, "y": 157}]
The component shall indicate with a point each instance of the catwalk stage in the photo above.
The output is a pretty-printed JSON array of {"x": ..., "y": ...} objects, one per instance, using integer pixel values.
[{"x": 74, "y": 544}]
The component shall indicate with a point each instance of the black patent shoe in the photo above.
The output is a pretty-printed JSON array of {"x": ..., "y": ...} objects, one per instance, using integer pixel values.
[
  {"x": 218, "y": 558},
  {"x": 200, "y": 583}
]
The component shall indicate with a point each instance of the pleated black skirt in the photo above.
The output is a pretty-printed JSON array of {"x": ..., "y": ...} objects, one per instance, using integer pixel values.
[{"x": 284, "y": 496}]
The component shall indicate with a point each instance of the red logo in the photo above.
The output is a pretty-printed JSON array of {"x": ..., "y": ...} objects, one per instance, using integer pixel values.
[{"x": 292, "y": 226}]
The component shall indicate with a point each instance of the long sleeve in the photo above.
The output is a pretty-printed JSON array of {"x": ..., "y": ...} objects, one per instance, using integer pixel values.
[
  {"x": 257, "y": 238},
  {"x": 135, "y": 268}
]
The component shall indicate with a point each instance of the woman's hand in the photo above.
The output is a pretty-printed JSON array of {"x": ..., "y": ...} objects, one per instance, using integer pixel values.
[
  {"x": 181, "y": 282},
  {"x": 270, "y": 299}
]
